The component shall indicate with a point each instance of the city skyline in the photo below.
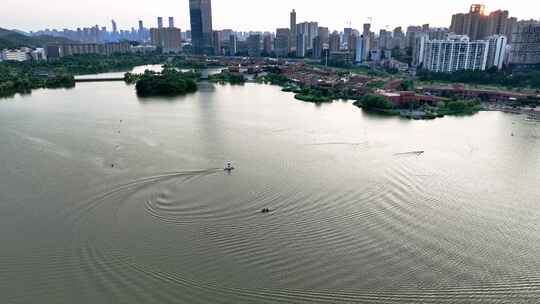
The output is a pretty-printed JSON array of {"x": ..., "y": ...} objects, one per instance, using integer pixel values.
[{"x": 254, "y": 16}]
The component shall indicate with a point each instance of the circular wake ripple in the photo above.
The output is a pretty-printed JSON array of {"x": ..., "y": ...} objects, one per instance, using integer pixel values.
[
  {"x": 363, "y": 224},
  {"x": 114, "y": 268}
]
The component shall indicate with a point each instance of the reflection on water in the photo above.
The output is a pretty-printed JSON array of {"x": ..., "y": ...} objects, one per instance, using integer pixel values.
[{"x": 108, "y": 198}]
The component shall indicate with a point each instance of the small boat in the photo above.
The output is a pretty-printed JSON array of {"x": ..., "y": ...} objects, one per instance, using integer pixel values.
[
  {"x": 265, "y": 210},
  {"x": 228, "y": 167}
]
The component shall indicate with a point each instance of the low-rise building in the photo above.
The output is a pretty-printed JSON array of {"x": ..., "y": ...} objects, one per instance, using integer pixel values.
[
  {"x": 61, "y": 50},
  {"x": 38, "y": 54},
  {"x": 21, "y": 54},
  {"x": 143, "y": 48}
]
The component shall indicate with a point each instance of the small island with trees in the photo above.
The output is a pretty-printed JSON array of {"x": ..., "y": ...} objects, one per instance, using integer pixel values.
[
  {"x": 169, "y": 82},
  {"x": 227, "y": 77},
  {"x": 379, "y": 104}
]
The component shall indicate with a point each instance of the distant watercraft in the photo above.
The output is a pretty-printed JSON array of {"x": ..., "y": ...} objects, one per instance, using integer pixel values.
[
  {"x": 229, "y": 167},
  {"x": 418, "y": 153}
]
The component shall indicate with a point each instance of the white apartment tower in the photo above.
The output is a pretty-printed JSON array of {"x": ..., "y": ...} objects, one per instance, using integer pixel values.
[{"x": 458, "y": 53}]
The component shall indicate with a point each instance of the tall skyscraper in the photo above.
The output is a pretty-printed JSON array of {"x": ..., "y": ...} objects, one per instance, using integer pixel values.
[
  {"x": 310, "y": 30},
  {"x": 313, "y": 31},
  {"x": 254, "y": 45},
  {"x": 267, "y": 44},
  {"x": 114, "y": 28},
  {"x": 367, "y": 29},
  {"x": 141, "y": 31},
  {"x": 335, "y": 42},
  {"x": 233, "y": 45},
  {"x": 171, "y": 22},
  {"x": 201, "y": 26},
  {"x": 346, "y": 34},
  {"x": 292, "y": 42},
  {"x": 360, "y": 49},
  {"x": 477, "y": 25},
  {"x": 317, "y": 47},
  {"x": 301, "y": 43},
  {"x": 525, "y": 51},
  {"x": 216, "y": 40},
  {"x": 282, "y": 42},
  {"x": 160, "y": 22},
  {"x": 496, "y": 51},
  {"x": 324, "y": 33}
]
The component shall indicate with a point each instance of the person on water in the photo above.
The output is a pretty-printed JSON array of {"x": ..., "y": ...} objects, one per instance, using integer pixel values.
[{"x": 229, "y": 167}]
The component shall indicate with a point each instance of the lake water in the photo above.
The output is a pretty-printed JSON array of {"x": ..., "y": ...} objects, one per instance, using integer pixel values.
[{"x": 108, "y": 198}]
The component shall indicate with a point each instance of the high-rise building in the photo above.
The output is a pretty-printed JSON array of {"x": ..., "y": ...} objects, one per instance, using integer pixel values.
[
  {"x": 346, "y": 34},
  {"x": 226, "y": 34},
  {"x": 496, "y": 51},
  {"x": 282, "y": 46},
  {"x": 335, "y": 42},
  {"x": 478, "y": 25},
  {"x": 254, "y": 45},
  {"x": 160, "y": 22},
  {"x": 412, "y": 33},
  {"x": 418, "y": 46},
  {"x": 398, "y": 39},
  {"x": 233, "y": 45},
  {"x": 310, "y": 30},
  {"x": 141, "y": 33},
  {"x": 459, "y": 53},
  {"x": 114, "y": 27},
  {"x": 351, "y": 47},
  {"x": 317, "y": 47},
  {"x": 385, "y": 39},
  {"x": 313, "y": 31},
  {"x": 267, "y": 44},
  {"x": 301, "y": 44},
  {"x": 216, "y": 40},
  {"x": 201, "y": 26},
  {"x": 168, "y": 39},
  {"x": 293, "y": 32},
  {"x": 360, "y": 49},
  {"x": 366, "y": 47},
  {"x": 367, "y": 29},
  {"x": 525, "y": 50},
  {"x": 171, "y": 22},
  {"x": 324, "y": 33}
]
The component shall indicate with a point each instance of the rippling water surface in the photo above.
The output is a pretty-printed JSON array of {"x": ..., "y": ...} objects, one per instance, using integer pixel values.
[{"x": 107, "y": 198}]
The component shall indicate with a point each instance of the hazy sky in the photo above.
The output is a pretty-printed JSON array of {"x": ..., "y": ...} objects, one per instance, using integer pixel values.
[{"x": 246, "y": 14}]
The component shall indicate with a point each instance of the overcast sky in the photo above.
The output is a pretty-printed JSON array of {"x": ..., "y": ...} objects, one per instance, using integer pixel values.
[{"x": 246, "y": 15}]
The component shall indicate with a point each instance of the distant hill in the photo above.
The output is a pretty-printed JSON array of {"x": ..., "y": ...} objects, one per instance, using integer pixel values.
[{"x": 11, "y": 39}]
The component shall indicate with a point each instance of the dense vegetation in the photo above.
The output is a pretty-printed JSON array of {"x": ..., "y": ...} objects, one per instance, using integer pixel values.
[
  {"x": 274, "y": 79},
  {"x": 530, "y": 79},
  {"x": 187, "y": 63},
  {"x": 21, "y": 78},
  {"x": 167, "y": 83},
  {"x": 11, "y": 39},
  {"x": 374, "y": 102},
  {"x": 377, "y": 103},
  {"x": 93, "y": 63},
  {"x": 459, "y": 107},
  {"x": 227, "y": 77}
]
